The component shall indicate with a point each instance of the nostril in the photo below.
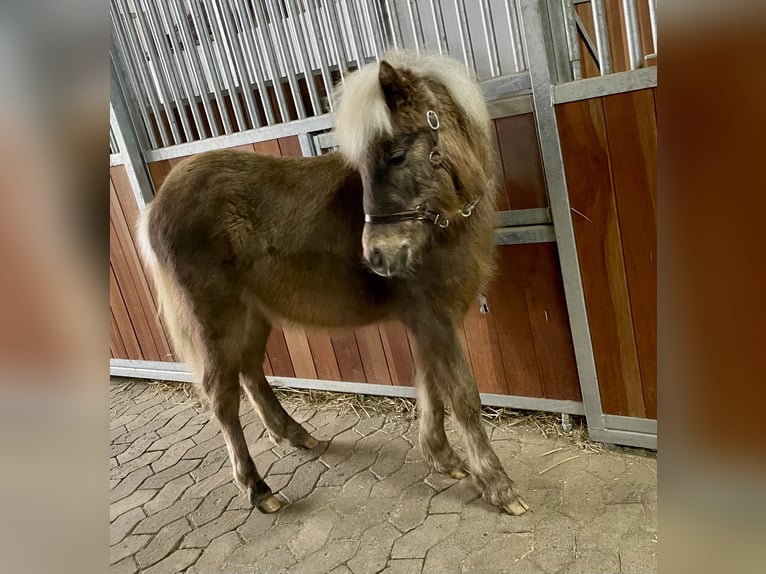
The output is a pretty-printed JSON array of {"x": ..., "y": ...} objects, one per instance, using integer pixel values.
[
  {"x": 376, "y": 258},
  {"x": 402, "y": 257}
]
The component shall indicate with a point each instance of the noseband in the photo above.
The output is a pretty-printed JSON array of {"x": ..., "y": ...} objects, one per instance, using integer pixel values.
[{"x": 421, "y": 212}]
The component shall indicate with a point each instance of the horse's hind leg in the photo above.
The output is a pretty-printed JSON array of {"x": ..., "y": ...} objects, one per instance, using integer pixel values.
[
  {"x": 277, "y": 421},
  {"x": 445, "y": 361},
  {"x": 221, "y": 384}
]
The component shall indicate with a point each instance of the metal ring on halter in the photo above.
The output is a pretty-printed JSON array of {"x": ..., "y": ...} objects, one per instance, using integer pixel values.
[
  {"x": 435, "y": 157},
  {"x": 433, "y": 120},
  {"x": 467, "y": 211},
  {"x": 443, "y": 223}
]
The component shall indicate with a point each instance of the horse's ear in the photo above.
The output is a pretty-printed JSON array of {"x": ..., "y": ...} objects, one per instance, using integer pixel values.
[{"x": 392, "y": 84}]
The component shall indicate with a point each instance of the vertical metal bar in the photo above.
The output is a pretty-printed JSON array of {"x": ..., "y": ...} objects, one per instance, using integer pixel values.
[
  {"x": 321, "y": 50},
  {"x": 630, "y": 12},
  {"x": 438, "y": 17},
  {"x": 197, "y": 71},
  {"x": 465, "y": 35},
  {"x": 142, "y": 86},
  {"x": 373, "y": 32},
  {"x": 517, "y": 43},
  {"x": 416, "y": 25},
  {"x": 167, "y": 61},
  {"x": 271, "y": 59},
  {"x": 394, "y": 24},
  {"x": 653, "y": 22},
  {"x": 251, "y": 50},
  {"x": 223, "y": 56},
  {"x": 602, "y": 37},
  {"x": 130, "y": 149},
  {"x": 489, "y": 37},
  {"x": 208, "y": 50},
  {"x": 186, "y": 83},
  {"x": 230, "y": 27},
  {"x": 553, "y": 165},
  {"x": 278, "y": 23},
  {"x": 354, "y": 25},
  {"x": 159, "y": 76},
  {"x": 308, "y": 72},
  {"x": 344, "y": 53},
  {"x": 572, "y": 38}
]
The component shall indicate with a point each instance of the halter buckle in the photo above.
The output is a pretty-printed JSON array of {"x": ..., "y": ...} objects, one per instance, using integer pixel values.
[
  {"x": 435, "y": 157},
  {"x": 433, "y": 120}
]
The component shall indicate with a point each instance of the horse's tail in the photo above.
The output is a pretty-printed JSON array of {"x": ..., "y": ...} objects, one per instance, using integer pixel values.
[{"x": 173, "y": 302}]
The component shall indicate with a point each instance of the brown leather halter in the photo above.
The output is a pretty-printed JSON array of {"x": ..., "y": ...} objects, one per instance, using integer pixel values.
[{"x": 421, "y": 212}]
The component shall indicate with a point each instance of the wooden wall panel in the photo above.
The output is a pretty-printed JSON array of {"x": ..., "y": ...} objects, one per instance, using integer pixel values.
[
  {"x": 373, "y": 355},
  {"x": 348, "y": 356},
  {"x": 398, "y": 353},
  {"x": 610, "y": 170},
  {"x": 521, "y": 162},
  {"x": 324, "y": 355}
]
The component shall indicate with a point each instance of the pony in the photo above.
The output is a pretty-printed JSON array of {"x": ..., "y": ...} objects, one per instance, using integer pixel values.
[{"x": 396, "y": 224}]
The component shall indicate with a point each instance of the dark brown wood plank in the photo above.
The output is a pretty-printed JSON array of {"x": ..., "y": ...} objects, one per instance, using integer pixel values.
[
  {"x": 373, "y": 355},
  {"x": 398, "y": 353},
  {"x": 322, "y": 351},
  {"x": 122, "y": 319},
  {"x": 484, "y": 349},
  {"x": 159, "y": 170},
  {"x": 300, "y": 353},
  {"x": 279, "y": 355},
  {"x": 632, "y": 134},
  {"x": 502, "y": 201},
  {"x": 615, "y": 24},
  {"x": 588, "y": 64},
  {"x": 347, "y": 353},
  {"x": 269, "y": 147},
  {"x": 290, "y": 146},
  {"x": 549, "y": 321},
  {"x": 116, "y": 345},
  {"x": 509, "y": 308},
  {"x": 522, "y": 164},
  {"x": 588, "y": 172},
  {"x": 267, "y": 365}
]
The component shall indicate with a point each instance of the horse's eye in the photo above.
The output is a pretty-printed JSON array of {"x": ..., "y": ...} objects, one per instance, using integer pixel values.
[{"x": 397, "y": 158}]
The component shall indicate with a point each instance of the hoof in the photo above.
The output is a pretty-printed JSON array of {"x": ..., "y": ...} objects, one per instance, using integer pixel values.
[
  {"x": 459, "y": 472},
  {"x": 517, "y": 507},
  {"x": 309, "y": 442},
  {"x": 269, "y": 504}
]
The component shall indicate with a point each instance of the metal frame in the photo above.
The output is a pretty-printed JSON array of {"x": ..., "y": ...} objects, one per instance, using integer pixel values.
[
  {"x": 616, "y": 83},
  {"x": 177, "y": 372}
]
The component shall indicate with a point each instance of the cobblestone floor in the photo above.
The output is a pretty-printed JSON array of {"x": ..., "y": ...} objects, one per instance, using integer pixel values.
[{"x": 364, "y": 501}]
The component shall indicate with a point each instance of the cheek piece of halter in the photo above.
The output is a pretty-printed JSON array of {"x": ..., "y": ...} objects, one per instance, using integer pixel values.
[{"x": 421, "y": 212}]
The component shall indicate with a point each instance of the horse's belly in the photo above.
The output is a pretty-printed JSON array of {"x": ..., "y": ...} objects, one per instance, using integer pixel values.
[{"x": 320, "y": 289}]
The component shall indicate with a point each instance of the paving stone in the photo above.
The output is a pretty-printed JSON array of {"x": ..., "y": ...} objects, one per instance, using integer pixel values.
[
  {"x": 202, "y": 449},
  {"x": 373, "y": 442},
  {"x": 136, "y": 448},
  {"x": 136, "y": 499},
  {"x": 391, "y": 457},
  {"x": 168, "y": 494},
  {"x": 444, "y": 558},
  {"x": 212, "y": 463},
  {"x": 207, "y": 485},
  {"x": 341, "y": 448},
  {"x": 341, "y": 473},
  {"x": 334, "y": 553},
  {"x": 454, "y": 498},
  {"x": 227, "y": 522},
  {"x": 120, "y": 527},
  {"x": 356, "y": 517},
  {"x": 156, "y": 521},
  {"x": 337, "y": 426},
  {"x": 257, "y": 524},
  {"x": 303, "y": 481},
  {"x": 145, "y": 459},
  {"x": 606, "y": 530},
  {"x": 358, "y": 487},
  {"x": 116, "y": 449},
  {"x": 178, "y": 422},
  {"x": 210, "y": 429},
  {"x": 406, "y": 566},
  {"x": 187, "y": 432},
  {"x": 554, "y": 542},
  {"x": 146, "y": 416},
  {"x": 624, "y": 491},
  {"x": 439, "y": 481},
  {"x": 605, "y": 467},
  {"x": 415, "y": 544},
  {"x": 396, "y": 483},
  {"x": 296, "y": 459},
  {"x": 582, "y": 500},
  {"x": 159, "y": 479},
  {"x": 253, "y": 431},
  {"x": 214, "y": 558},
  {"x": 245, "y": 556},
  {"x": 278, "y": 481},
  {"x": 638, "y": 553},
  {"x": 128, "y": 546},
  {"x": 322, "y": 418},
  {"x": 121, "y": 421},
  {"x": 314, "y": 533},
  {"x": 214, "y": 504},
  {"x": 342, "y": 569},
  {"x": 129, "y": 484},
  {"x": 125, "y": 566},
  {"x": 163, "y": 543},
  {"x": 177, "y": 562},
  {"x": 264, "y": 461},
  {"x": 302, "y": 415},
  {"x": 412, "y": 507},
  {"x": 368, "y": 425},
  {"x": 374, "y": 549},
  {"x": 592, "y": 561},
  {"x": 499, "y": 554},
  {"x": 116, "y": 433},
  {"x": 172, "y": 455}
]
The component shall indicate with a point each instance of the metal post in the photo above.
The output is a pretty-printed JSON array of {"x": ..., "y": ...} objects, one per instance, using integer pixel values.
[
  {"x": 122, "y": 124},
  {"x": 438, "y": 17},
  {"x": 553, "y": 165},
  {"x": 393, "y": 23},
  {"x": 630, "y": 13},
  {"x": 321, "y": 50},
  {"x": 517, "y": 42},
  {"x": 271, "y": 58},
  {"x": 416, "y": 25},
  {"x": 602, "y": 37},
  {"x": 653, "y": 22},
  {"x": 354, "y": 26},
  {"x": 572, "y": 38},
  {"x": 278, "y": 22},
  {"x": 465, "y": 35},
  {"x": 490, "y": 39},
  {"x": 308, "y": 72}
]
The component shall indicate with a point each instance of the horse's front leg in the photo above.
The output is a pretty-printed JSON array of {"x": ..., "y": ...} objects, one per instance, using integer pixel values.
[{"x": 445, "y": 367}]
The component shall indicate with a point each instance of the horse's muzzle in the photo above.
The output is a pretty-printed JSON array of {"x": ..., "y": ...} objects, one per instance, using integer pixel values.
[{"x": 387, "y": 261}]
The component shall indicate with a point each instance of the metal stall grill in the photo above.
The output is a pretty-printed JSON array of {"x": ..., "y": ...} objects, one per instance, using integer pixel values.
[{"x": 194, "y": 75}]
